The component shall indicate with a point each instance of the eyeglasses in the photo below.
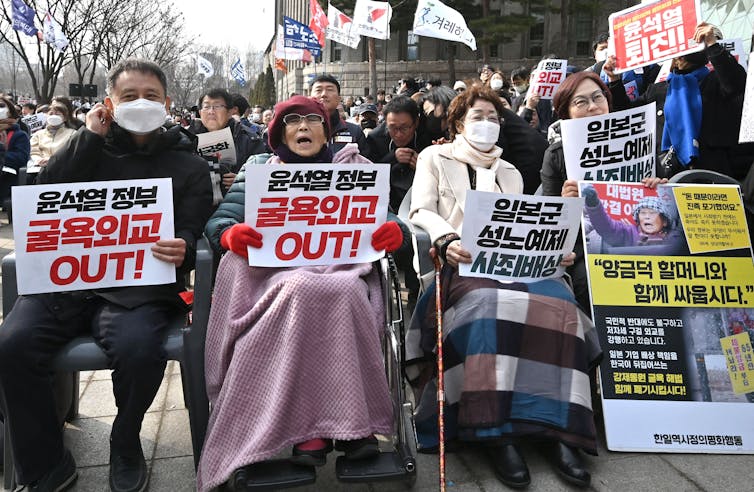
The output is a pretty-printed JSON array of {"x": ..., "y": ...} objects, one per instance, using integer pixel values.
[
  {"x": 400, "y": 129},
  {"x": 215, "y": 107},
  {"x": 583, "y": 102},
  {"x": 295, "y": 119}
]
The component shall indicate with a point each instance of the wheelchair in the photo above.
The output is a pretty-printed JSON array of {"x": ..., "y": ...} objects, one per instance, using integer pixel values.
[{"x": 397, "y": 464}]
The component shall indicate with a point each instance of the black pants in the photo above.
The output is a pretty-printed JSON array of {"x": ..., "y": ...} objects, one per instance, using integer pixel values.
[{"x": 31, "y": 335}]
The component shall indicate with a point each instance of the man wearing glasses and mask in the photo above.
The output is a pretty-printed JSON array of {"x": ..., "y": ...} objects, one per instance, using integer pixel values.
[{"x": 124, "y": 139}]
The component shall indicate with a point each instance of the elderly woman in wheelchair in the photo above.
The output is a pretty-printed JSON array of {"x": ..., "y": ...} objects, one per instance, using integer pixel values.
[
  {"x": 517, "y": 356},
  {"x": 293, "y": 354}
]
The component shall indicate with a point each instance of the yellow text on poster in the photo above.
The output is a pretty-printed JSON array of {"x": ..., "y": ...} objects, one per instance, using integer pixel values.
[
  {"x": 713, "y": 218},
  {"x": 677, "y": 281},
  {"x": 738, "y": 358}
]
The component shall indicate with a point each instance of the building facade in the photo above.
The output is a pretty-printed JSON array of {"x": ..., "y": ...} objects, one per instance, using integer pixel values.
[{"x": 408, "y": 55}]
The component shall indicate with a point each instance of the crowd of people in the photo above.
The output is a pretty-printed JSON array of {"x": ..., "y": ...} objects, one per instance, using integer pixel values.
[{"x": 282, "y": 371}]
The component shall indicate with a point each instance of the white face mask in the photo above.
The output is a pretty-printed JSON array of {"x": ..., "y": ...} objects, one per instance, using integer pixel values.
[
  {"x": 54, "y": 120},
  {"x": 496, "y": 84},
  {"x": 256, "y": 117},
  {"x": 140, "y": 116},
  {"x": 520, "y": 89},
  {"x": 81, "y": 117},
  {"x": 601, "y": 55},
  {"x": 3, "y": 113},
  {"x": 482, "y": 134}
]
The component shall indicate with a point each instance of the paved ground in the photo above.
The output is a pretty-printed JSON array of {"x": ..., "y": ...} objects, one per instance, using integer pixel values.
[{"x": 166, "y": 442}]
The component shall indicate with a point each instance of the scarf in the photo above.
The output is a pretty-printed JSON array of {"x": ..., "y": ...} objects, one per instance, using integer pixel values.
[
  {"x": 683, "y": 114},
  {"x": 289, "y": 157},
  {"x": 480, "y": 162}
]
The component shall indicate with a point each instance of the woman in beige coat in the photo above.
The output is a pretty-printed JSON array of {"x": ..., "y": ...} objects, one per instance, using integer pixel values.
[
  {"x": 54, "y": 136},
  {"x": 517, "y": 356}
]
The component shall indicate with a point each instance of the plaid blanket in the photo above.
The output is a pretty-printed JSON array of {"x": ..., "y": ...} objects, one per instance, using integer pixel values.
[{"x": 517, "y": 359}]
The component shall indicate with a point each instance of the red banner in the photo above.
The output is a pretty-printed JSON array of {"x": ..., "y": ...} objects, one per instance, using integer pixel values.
[{"x": 650, "y": 33}]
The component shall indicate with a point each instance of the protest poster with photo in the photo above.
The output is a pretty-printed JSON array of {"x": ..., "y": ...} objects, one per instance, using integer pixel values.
[
  {"x": 316, "y": 214},
  {"x": 35, "y": 122},
  {"x": 547, "y": 77},
  {"x": 652, "y": 32},
  {"x": 217, "y": 145},
  {"x": 617, "y": 146},
  {"x": 671, "y": 278},
  {"x": 746, "y": 134},
  {"x": 94, "y": 235},
  {"x": 518, "y": 238}
]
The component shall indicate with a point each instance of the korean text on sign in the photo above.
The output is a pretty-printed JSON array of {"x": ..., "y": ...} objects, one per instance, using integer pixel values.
[
  {"x": 520, "y": 238},
  {"x": 653, "y": 32},
  {"x": 316, "y": 214},
  {"x": 616, "y": 146},
  {"x": 78, "y": 236},
  {"x": 546, "y": 79}
]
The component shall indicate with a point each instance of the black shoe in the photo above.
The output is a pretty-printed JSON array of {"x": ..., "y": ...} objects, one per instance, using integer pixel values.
[
  {"x": 569, "y": 465},
  {"x": 510, "y": 467},
  {"x": 59, "y": 478},
  {"x": 359, "y": 449},
  {"x": 311, "y": 457},
  {"x": 128, "y": 473}
]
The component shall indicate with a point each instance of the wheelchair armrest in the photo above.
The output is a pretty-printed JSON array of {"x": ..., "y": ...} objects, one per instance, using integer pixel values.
[
  {"x": 203, "y": 273},
  {"x": 422, "y": 245},
  {"x": 10, "y": 289}
]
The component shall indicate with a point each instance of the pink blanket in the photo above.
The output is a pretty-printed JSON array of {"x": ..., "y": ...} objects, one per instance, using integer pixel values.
[{"x": 292, "y": 354}]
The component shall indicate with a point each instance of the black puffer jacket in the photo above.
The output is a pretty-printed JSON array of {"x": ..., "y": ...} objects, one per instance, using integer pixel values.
[{"x": 89, "y": 157}]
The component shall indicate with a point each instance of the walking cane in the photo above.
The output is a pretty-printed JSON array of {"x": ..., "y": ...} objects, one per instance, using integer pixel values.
[{"x": 440, "y": 370}]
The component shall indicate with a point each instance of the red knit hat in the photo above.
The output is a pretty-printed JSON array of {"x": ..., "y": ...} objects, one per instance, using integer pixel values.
[{"x": 296, "y": 104}]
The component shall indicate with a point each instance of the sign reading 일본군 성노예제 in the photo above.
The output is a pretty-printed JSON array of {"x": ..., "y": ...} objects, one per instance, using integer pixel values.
[
  {"x": 519, "y": 238},
  {"x": 93, "y": 235},
  {"x": 672, "y": 283},
  {"x": 617, "y": 146},
  {"x": 316, "y": 214}
]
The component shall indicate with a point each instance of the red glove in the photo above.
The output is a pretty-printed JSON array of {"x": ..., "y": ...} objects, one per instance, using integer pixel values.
[
  {"x": 238, "y": 237},
  {"x": 388, "y": 237}
]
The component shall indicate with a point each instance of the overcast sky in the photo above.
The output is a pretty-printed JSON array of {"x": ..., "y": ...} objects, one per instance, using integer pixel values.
[{"x": 240, "y": 23}]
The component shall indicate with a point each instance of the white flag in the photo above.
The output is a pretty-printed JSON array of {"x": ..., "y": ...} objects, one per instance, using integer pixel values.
[
  {"x": 372, "y": 19},
  {"x": 204, "y": 67},
  {"x": 53, "y": 33},
  {"x": 284, "y": 53},
  {"x": 340, "y": 28},
  {"x": 436, "y": 20}
]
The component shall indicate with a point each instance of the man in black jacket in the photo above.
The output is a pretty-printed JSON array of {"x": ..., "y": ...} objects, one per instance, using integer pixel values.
[
  {"x": 396, "y": 141},
  {"x": 122, "y": 139},
  {"x": 215, "y": 113},
  {"x": 326, "y": 89}
]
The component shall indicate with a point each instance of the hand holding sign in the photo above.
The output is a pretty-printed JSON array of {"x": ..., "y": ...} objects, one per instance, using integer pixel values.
[
  {"x": 388, "y": 237},
  {"x": 705, "y": 33},
  {"x": 239, "y": 238},
  {"x": 170, "y": 251}
]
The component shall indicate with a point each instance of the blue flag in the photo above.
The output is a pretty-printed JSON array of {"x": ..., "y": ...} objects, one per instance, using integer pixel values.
[
  {"x": 23, "y": 18},
  {"x": 298, "y": 35},
  {"x": 237, "y": 71}
]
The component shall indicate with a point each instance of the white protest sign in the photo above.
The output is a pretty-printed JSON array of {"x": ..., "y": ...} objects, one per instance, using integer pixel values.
[
  {"x": 746, "y": 133},
  {"x": 372, "y": 18},
  {"x": 546, "y": 79},
  {"x": 316, "y": 214},
  {"x": 35, "y": 122},
  {"x": 520, "y": 238},
  {"x": 616, "y": 146},
  {"x": 75, "y": 236},
  {"x": 218, "y": 144},
  {"x": 665, "y": 68}
]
